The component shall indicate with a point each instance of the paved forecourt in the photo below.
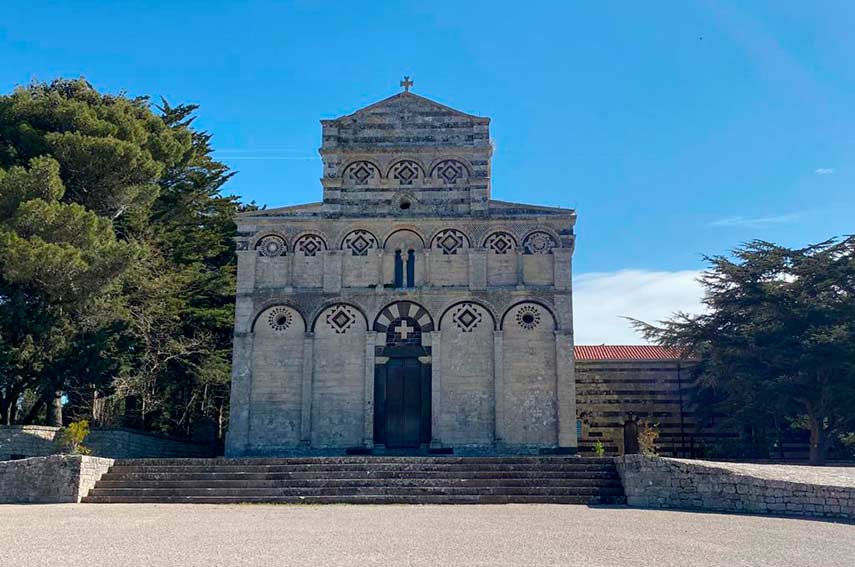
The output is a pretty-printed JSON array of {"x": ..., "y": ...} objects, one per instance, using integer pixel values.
[{"x": 190, "y": 535}]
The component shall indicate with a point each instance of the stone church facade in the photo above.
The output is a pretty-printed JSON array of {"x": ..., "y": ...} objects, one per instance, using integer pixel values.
[{"x": 407, "y": 311}]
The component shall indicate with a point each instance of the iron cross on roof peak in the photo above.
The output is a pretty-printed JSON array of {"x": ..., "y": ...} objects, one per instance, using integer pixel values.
[{"x": 407, "y": 83}]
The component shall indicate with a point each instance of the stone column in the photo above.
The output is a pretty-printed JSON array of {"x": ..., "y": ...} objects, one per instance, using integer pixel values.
[
  {"x": 237, "y": 436},
  {"x": 498, "y": 387},
  {"x": 368, "y": 415},
  {"x": 435, "y": 382},
  {"x": 306, "y": 392},
  {"x": 565, "y": 390},
  {"x": 520, "y": 268},
  {"x": 477, "y": 268}
]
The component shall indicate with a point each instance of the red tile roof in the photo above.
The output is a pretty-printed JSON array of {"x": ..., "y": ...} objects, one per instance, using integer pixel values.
[{"x": 624, "y": 352}]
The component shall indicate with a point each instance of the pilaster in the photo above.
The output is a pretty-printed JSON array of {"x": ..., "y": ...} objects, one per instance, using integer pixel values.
[
  {"x": 237, "y": 436},
  {"x": 435, "y": 383},
  {"x": 565, "y": 389},
  {"x": 368, "y": 410},
  {"x": 332, "y": 271},
  {"x": 306, "y": 391},
  {"x": 498, "y": 386},
  {"x": 477, "y": 268}
]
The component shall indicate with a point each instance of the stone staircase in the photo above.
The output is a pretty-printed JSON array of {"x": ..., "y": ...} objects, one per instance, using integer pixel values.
[{"x": 364, "y": 480}]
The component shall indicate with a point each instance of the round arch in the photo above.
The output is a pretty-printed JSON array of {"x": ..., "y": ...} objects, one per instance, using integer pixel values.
[
  {"x": 269, "y": 305},
  {"x": 480, "y": 304},
  {"x": 543, "y": 304},
  {"x": 333, "y": 303},
  {"x": 404, "y": 229},
  {"x": 403, "y": 308}
]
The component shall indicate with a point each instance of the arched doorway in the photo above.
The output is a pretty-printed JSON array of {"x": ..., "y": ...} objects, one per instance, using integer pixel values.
[{"x": 402, "y": 378}]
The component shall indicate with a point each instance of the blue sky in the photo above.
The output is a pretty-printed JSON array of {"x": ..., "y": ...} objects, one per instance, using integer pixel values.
[{"x": 674, "y": 128}]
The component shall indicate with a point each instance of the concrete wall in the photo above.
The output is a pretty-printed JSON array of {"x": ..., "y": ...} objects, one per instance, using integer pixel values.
[
  {"x": 38, "y": 440},
  {"x": 655, "y": 482},
  {"x": 53, "y": 479}
]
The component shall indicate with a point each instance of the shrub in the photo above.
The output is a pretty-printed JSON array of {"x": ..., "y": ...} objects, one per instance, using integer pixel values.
[
  {"x": 648, "y": 435},
  {"x": 599, "y": 449},
  {"x": 70, "y": 439}
]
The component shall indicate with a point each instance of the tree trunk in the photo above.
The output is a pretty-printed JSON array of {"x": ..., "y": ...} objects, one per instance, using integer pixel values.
[
  {"x": 54, "y": 415},
  {"x": 818, "y": 442},
  {"x": 34, "y": 411}
]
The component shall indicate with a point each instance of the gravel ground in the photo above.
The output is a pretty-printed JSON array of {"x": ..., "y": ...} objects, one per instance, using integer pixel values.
[{"x": 128, "y": 535}]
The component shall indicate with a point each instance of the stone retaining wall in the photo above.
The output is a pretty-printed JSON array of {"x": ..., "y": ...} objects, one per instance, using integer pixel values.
[
  {"x": 57, "y": 478},
  {"x": 37, "y": 440},
  {"x": 656, "y": 482}
]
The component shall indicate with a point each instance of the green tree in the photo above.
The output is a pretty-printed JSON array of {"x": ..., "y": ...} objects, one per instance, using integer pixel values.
[
  {"x": 117, "y": 265},
  {"x": 778, "y": 339},
  {"x": 57, "y": 263}
]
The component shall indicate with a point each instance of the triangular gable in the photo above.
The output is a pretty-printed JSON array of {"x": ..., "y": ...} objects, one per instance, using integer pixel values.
[{"x": 407, "y": 101}]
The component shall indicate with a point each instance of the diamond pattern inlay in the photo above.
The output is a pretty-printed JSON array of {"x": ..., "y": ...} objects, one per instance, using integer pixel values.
[
  {"x": 467, "y": 317},
  {"x": 341, "y": 318},
  {"x": 449, "y": 241}
]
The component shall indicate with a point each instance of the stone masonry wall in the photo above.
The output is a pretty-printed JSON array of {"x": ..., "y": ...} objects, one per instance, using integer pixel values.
[
  {"x": 53, "y": 479},
  {"x": 38, "y": 440},
  {"x": 655, "y": 482}
]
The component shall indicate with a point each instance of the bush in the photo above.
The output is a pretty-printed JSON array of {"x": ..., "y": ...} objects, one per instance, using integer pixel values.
[
  {"x": 599, "y": 450},
  {"x": 648, "y": 435},
  {"x": 70, "y": 439}
]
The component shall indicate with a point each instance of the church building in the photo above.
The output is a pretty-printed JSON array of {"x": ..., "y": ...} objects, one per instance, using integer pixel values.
[{"x": 407, "y": 311}]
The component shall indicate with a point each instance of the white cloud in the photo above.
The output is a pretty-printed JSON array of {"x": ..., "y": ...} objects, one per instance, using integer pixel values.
[
  {"x": 756, "y": 222},
  {"x": 824, "y": 171},
  {"x": 601, "y": 300}
]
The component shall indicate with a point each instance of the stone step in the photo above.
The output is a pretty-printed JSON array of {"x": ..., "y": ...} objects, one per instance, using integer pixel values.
[
  {"x": 363, "y": 499},
  {"x": 369, "y": 460},
  {"x": 417, "y": 480},
  {"x": 451, "y": 468},
  {"x": 323, "y": 483},
  {"x": 361, "y": 491},
  {"x": 371, "y": 474}
]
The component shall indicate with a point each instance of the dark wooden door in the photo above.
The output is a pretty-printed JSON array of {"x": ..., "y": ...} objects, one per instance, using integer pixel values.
[
  {"x": 403, "y": 403},
  {"x": 630, "y": 438}
]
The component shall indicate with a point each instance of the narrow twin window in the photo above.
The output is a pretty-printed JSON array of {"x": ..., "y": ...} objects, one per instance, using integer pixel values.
[{"x": 410, "y": 269}]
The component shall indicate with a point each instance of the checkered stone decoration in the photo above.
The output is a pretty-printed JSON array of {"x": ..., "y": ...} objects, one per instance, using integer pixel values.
[
  {"x": 310, "y": 245},
  {"x": 449, "y": 171},
  {"x": 280, "y": 318},
  {"x": 539, "y": 243},
  {"x": 359, "y": 242},
  {"x": 361, "y": 173},
  {"x": 449, "y": 241},
  {"x": 500, "y": 243},
  {"x": 467, "y": 317},
  {"x": 391, "y": 317},
  {"x": 271, "y": 246},
  {"x": 405, "y": 172},
  {"x": 341, "y": 318}
]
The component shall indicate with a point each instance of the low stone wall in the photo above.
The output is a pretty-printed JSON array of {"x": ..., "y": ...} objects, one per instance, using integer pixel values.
[
  {"x": 18, "y": 441},
  {"x": 656, "y": 482},
  {"x": 43, "y": 480}
]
